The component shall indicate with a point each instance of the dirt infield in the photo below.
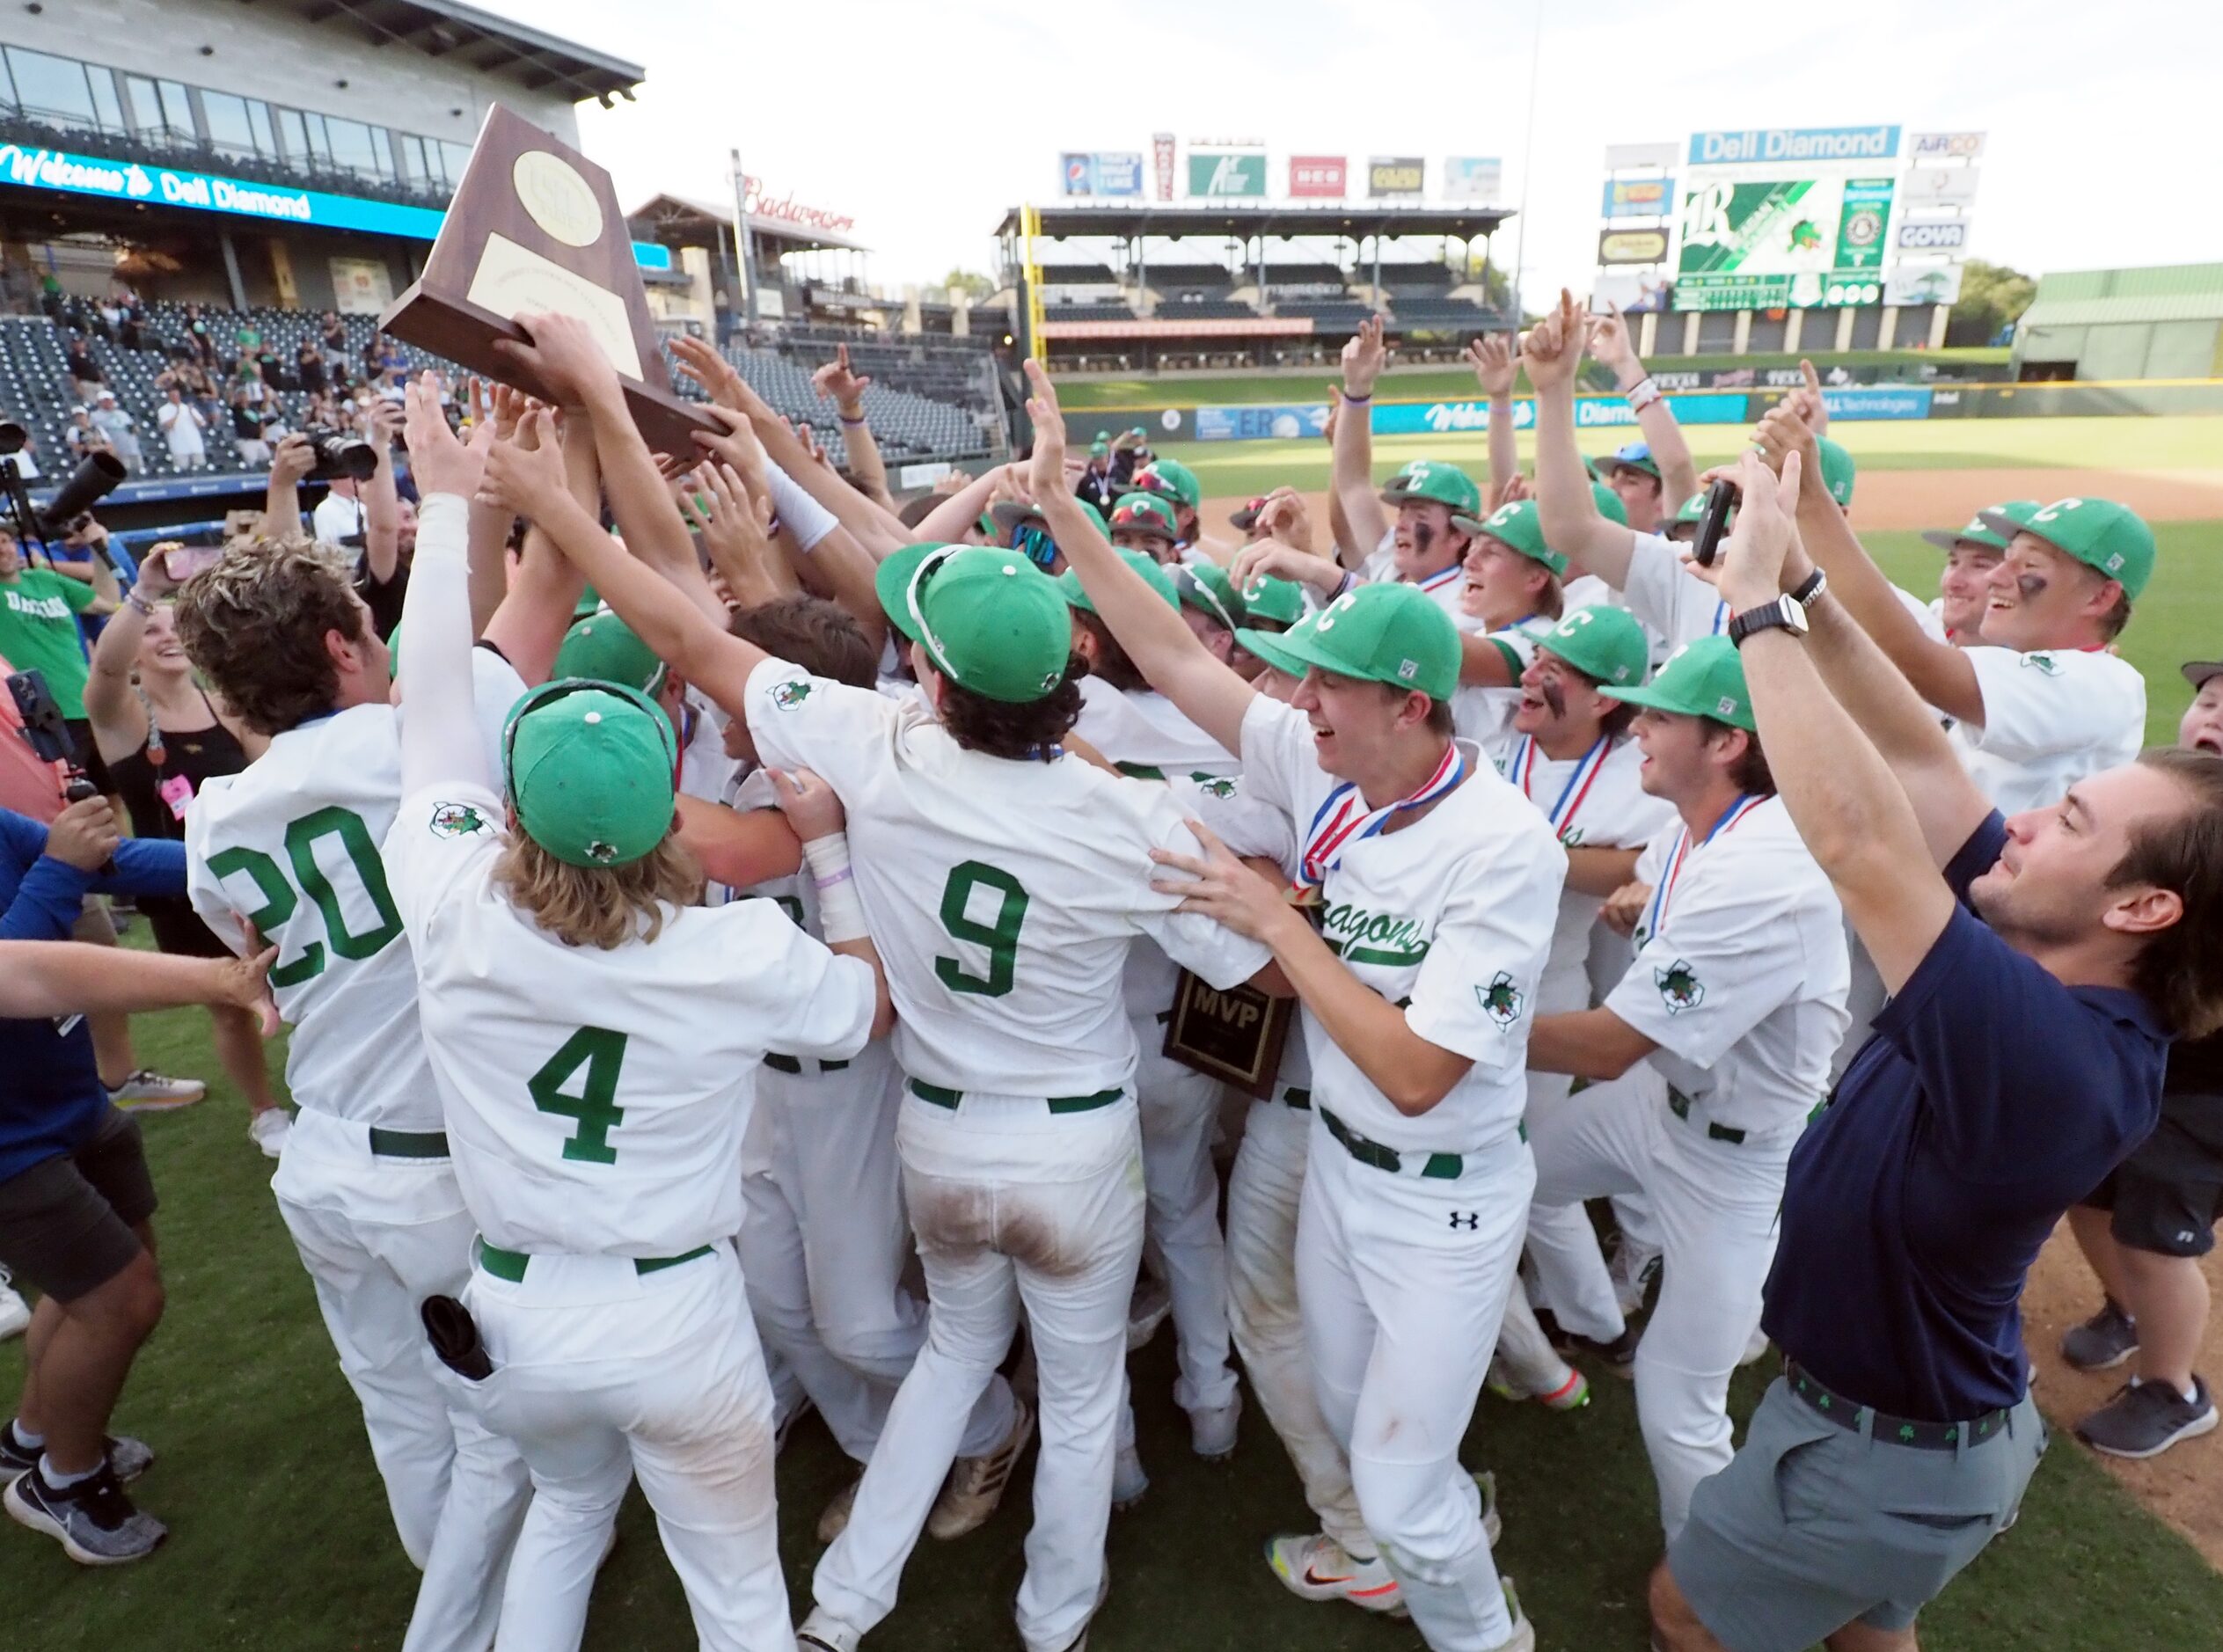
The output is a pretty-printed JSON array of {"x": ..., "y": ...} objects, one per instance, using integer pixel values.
[
  {"x": 1941, "y": 499},
  {"x": 2185, "y": 1485}
]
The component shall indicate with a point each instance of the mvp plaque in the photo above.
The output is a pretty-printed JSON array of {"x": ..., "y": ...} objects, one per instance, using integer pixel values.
[
  {"x": 534, "y": 226},
  {"x": 1235, "y": 1036}
]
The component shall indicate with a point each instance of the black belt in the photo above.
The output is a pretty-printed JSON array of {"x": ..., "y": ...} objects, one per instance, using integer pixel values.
[
  {"x": 790, "y": 1063},
  {"x": 408, "y": 1144},
  {"x": 942, "y": 1096},
  {"x": 1301, "y": 1099},
  {"x": 1436, "y": 1167},
  {"x": 1680, "y": 1105},
  {"x": 1923, "y": 1437}
]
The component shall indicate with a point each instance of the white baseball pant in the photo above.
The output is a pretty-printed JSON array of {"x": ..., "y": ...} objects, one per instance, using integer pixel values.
[
  {"x": 1179, "y": 1110},
  {"x": 1561, "y": 1243},
  {"x": 823, "y": 1244},
  {"x": 379, "y": 1234},
  {"x": 604, "y": 1375},
  {"x": 1012, "y": 1205},
  {"x": 1403, "y": 1280},
  {"x": 1717, "y": 1203},
  {"x": 1264, "y": 1192}
]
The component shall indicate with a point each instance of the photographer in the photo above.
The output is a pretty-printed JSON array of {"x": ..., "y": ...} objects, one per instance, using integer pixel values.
[
  {"x": 74, "y": 1201},
  {"x": 372, "y": 505}
]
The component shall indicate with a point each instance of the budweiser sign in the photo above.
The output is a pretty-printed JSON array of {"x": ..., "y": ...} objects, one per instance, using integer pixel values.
[{"x": 759, "y": 202}]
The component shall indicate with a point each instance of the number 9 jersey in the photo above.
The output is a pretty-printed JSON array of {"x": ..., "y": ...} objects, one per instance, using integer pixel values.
[{"x": 290, "y": 846}]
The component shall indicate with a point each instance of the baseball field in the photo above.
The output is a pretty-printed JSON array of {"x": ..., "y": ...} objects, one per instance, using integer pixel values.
[{"x": 280, "y": 1533}]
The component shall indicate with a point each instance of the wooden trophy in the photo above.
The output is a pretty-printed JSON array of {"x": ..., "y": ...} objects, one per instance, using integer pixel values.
[
  {"x": 1235, "y": 1036},
  {"x": 534, "y": 226}
]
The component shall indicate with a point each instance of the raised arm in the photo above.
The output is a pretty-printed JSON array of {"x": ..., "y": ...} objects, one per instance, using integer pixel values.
[
  {"x": 1853, "y": 813},
  {"x": 1939, "y": 673},
  {"x": 439, "y": 737},
  {"x": 1353, "y": 483},
  {"x": 119, "y": 721},
  {"x": 489, "y": 554},
  {"x": 846, "y": 390},
  {"x": 1572, "y": 525},
  {"x": 1495, "y": 366},
  {"x": 1156, "y": 638},
  {"x": 1612, "y": 348},
  {"x": 42, "y": 979},
  {"x": 947, "y": 521},
  {"x": 380, "y": 500},
  {"x": 291, "y": 460},
  {"x": 529, "y": 627}
]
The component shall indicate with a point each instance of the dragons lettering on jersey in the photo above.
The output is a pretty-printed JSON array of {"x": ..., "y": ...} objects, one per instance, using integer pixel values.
[{"x": 1379, "y": 937}]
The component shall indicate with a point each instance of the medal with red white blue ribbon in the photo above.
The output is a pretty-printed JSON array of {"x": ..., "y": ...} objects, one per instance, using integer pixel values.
[
  {"x": 1343, "y": 818},
  {"x": 1571, "y": 795},
  {"x": 1735, "y": 813}
]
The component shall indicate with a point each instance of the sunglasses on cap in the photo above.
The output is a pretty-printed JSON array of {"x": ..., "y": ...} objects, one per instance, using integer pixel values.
[
  {"x": 1130, "y": 517},
  {"x": 1034, "y": 544}
]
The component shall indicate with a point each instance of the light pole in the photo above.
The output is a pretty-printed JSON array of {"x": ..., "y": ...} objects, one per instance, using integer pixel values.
[{"x": 1528, "y": 166}]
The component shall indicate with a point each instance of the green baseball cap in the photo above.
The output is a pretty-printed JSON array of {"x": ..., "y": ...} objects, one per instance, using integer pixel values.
[
  {"x": 1278, "y": 601},
  {"x": 1008, "y": 513},
  {"x": 1609, "y": 504},
  {"x": 1393, "y": 632},
  {"x": 603, "y": 648},
  {"x": 1153, "y": 574},
  {"x": 1692, "y": 510},
  {"x": 2010, "y": 516},
  {"x": 1637, "y": 456},
  {"x": 1100, "y": 446},
  {"x": 1703, "y": 678},
  {"x": 589, "y": 766},
  {"x": 1206, "y": 587},
  {"x": 1142, "y": 431},
  {"x": 1142, "y": 513},
  {"x": 987, "y": 618},
  {"x": 2103, "y": 534},
  {"x": 1168, "y": 478},
  {"x": 1603, "y": 643},
  {"x": 1837, "y": 469},
  {"x": 1517, "y": 523},
  {"x": 1433, "y": 479},
  {"x": 588, "y": 603}
]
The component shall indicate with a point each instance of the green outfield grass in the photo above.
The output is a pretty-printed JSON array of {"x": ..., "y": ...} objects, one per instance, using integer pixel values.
[
  {"x": 1427, "y": 383},
  {"x": 2182, "y": 442}
]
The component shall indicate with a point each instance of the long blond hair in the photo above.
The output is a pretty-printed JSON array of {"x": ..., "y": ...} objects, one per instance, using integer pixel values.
[{"x": 602, "y": 907}]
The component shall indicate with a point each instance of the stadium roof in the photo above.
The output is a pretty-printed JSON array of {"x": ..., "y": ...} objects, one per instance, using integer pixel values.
[
  {"x": 1347, "y": 218},
  {"x": 480, "y": 41},
  {"x": 2172, "y": 292},
  {"x": 700, "y": 222}
]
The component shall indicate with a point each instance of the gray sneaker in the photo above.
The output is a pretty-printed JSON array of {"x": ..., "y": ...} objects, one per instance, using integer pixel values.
[
  {"x": 93, "y": 1520},
  {"x": 2145, "y": 1419},
  {"x": 2103, "y": 1341},
  {"x": 128, "y": 1458}
]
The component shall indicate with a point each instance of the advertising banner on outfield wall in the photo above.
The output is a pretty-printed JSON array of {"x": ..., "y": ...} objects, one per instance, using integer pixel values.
[
  {"x": 1638, "y": 198},
  {"x": 1885, "y": 401},
  {"x": 1933, "y": 234},
  {"x": 1774, "y": 146},
  {"x": 1227, "y": 175},
  {"x": 1444, "y": 418},
  {"x": 1473, "y": 178},
  {"x": 1390, "y": 176},
  {"x": 1318, "y": 177},
  {"x": 1767, "y": 242},
  {"x": 1912, "y": 284},
  {"x": 1261, "y": 423}
]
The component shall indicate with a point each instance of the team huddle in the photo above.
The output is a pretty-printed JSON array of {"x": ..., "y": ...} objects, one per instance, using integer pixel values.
[{"x": 726, "y": 919}]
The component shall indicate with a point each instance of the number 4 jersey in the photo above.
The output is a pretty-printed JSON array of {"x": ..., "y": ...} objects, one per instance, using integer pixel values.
[
  {"x": 1003, "y": 894},
  {"x": 290, "y": 845}
]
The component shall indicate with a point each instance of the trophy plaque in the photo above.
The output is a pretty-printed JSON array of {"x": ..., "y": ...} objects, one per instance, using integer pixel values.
[
  {"x": 1235, "y": 1036},
  {"x": 534, "y": 226}
]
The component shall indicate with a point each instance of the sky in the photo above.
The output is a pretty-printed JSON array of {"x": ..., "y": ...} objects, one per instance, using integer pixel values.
[{"x": 926, "y": 126}]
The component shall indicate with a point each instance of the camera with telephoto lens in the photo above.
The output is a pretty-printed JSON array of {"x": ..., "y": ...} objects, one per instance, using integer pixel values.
[
  {"x": 46, "y": 732},
  {"x": 340, "y": 454},
  {"x": 91, "y": 482}
]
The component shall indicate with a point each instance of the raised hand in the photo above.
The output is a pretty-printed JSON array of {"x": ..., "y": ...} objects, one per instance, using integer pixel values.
[
  {"x": 718, "y": 376},
  {"x": 1766, "y": 531},
  {"x": 1288, "y": 518},
  {"x": 1611, "y": 346},
  {"x": 292, "y": 459},
  {"x": 1046, "y": 471},
  {"x": 838, "y": 384},
  {"x": 1516, "y": 487},
  {"x": 438, "y": 462},
  {"x": 1334, "y": 412},
  {"x": 85, "y": 834},
  {"x": 735, "y": 524},
  {"x": 1552, "y": 348},
  {"x": 564, "y": 356},
  {"x": 1364, "y": 358},
  {"x": 1270, "y": 557},
  {"x": 1496, "y": 365},
  {"x": 525, "y": 476},
  {"x": 737, "y": 447}
]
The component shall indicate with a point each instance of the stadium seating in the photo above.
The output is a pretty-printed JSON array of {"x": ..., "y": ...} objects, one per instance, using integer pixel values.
[
  {"x": 1279, "y": 276},
  {"x": 1183, "y": 308},
  {"x": 1399, "y": 279},
  {"x": 1415, "y": 311},
  {"x": 1328, "y": 316},
  {"x": 1055, "y": 312}
]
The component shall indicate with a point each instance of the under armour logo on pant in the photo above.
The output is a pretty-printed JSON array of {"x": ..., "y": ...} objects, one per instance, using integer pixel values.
[{"x": 1467, "y": 1219}]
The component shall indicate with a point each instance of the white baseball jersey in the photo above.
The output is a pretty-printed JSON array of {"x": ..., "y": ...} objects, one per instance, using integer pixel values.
[
  {"x": 705, "y": 770},
  {"x": 1447, "y": 586},
  {"x": 1670, "y": 600},
  {"x": 1485, "y": 715},
  {"x": 290, "y": 845},
  {"x": 1145, "y": 736},
  {"x": 619, "y": 1135},
  {"x": 1253, "y": 829},
  {"x": 1004, "y": 895},
  {"x": 1740, "y": 973},
  {"x": 2050, "y": 718},
  {"x": 1451, "y": 916},
  {"x": 1593, "y": 801}
]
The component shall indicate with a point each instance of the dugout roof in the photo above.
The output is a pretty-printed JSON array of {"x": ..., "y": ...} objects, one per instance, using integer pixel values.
[
  {"x": 480, "y": 41},
  {"x": 1348, "y": 219}
]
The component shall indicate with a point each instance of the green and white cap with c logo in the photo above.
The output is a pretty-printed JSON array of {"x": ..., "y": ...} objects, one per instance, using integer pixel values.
[
  {"x": 1517, "y": 524},
  {"x": 1703, "y": 678},
  {"x": 1992, "y": 527},
  {"x": 2100, "y": 533},
  {"x": 1393, "y": 633},
  {"x": 1434, "y": 480},
  {"x": 1603, "y": 643}
]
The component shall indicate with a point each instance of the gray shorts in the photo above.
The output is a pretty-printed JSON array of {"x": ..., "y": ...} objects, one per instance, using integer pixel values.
[{"x": 1814, "y": 1525}]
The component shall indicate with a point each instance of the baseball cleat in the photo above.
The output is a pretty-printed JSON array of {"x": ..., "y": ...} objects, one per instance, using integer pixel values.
[
  {"x": 15, "y": 1312},
  {"x": 821, "y": 1634},
  {"x": 1523, "y": 1636},
  {"x": 1493, "y": 1522},
  {"x": 1317, "y": 1568},
  {"x": 976, "y": 1484},
  {"x": 1131, "y": 1481},
  {"x": 93, "y": 1520},
  {"x": 1212, "y": 1432},
  {"x": 2103, "y": 1341},
  {"x": 147, "y": 1091},
  {"x": 1570, "y": 1392},
  {"x": 833, "y": 1519}
]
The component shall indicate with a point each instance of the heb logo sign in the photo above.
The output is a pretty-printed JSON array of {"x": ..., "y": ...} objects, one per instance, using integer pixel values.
[
  {"x": 1784, "y": 144},
  {"x": 1318, "y": 176}
]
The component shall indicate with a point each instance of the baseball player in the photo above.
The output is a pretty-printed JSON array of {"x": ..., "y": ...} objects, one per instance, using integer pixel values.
[
  {"x": 1176, "y": 485},
  {"x": 1963, "y": 584},
  {"x": 1437, "y": 887},
  {"x": 287, "y": 850},
  {"x": 824, "y": 1243},
  {"x": 1707, "y": 1056},
  {"x": 606, "y": 1309},
  {"x": 1570, "y": 755},
  {"x": 1013, "y": 881}
]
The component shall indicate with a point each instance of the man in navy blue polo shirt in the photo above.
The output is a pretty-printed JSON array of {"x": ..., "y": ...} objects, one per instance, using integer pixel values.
[{"x": 2035, "y": 984}]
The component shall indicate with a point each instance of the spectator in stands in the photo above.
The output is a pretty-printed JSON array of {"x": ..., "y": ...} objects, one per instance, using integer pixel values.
[
  {"x": 84, "y": 372},
  {"x": 50, "y": 295},
  {"x": 309, "y": 366},
  {"x": 181, "y": 426},
  {"x": 83, "y": 437},
  {"x": 131, "y": 330},
  {"x": 87, "y": 554},
  {"x": 334, "y": 339},
  {"x": 120, "y": 429},
  {"x": 27, "y": 457},
  {"x": 249, "y": 417}
]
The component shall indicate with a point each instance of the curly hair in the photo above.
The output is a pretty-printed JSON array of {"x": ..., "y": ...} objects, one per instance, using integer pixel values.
[
  {"x": 255, "y": 623},
  {"x": 602, "y": 907},
  {"x": 1025, "y": 732}
]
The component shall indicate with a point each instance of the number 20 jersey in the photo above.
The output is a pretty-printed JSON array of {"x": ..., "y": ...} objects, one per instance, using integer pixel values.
[{"x": 290, "y": 845}]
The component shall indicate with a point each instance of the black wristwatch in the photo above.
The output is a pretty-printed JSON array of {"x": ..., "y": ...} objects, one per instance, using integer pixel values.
[
  {"x": 1811, "y": 589},
  {"x": 1783, "y": 612}
]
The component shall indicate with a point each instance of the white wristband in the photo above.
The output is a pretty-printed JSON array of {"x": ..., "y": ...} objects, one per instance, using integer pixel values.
[
  {"x": 1643, "y": 394},
  {"x": 797, "y": 512},
  {"x": 841, "y": 915}
]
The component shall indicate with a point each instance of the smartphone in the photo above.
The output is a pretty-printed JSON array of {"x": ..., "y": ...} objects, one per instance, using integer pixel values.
[
  {"x": 182, "y": 562},
  {"x": 1713, "y": 522}
]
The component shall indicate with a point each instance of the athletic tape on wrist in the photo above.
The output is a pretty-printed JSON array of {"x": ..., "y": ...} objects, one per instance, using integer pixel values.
[{"x": 841, "y": 916}]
